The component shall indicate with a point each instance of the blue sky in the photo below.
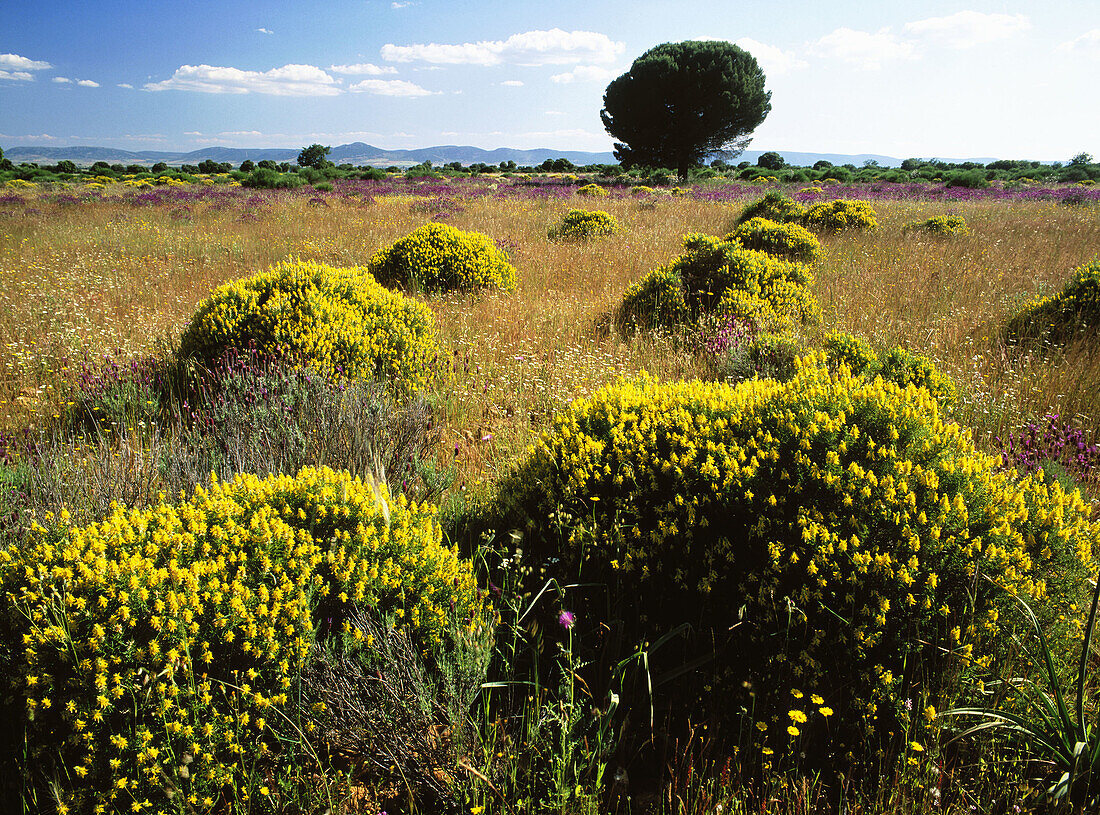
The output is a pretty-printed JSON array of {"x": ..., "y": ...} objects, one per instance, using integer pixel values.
[{"x": 959, "y": 78}]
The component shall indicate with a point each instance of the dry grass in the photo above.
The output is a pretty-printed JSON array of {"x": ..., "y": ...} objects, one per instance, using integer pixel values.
[{"x": 108, "y": 277}]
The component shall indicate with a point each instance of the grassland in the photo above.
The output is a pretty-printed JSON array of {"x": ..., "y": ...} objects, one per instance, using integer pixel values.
[{"x": 117, "y": 275}]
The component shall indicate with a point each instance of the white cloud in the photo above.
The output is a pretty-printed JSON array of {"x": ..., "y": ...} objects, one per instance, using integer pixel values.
[
  {"x": 965, "y": 29},
  {"x": 21, "y": 76},
  {"x": 584, "y": 73},
  {"x": 22, "y": 63},
  {"x": 61, "y": 80},
  {"x": 555, "y": 112},
  {"x": 126, "y": 85},
  {"x": 553, "y": 47},
  {"x": 395, "y": 4},
  {"x": 265, "y": 31},
  {"x": 363, "y": 69},
  {"x": 512, "y": 83},
  {"x": 775, "y": 61},
  {"x": 192, "y": 133},
  {"x": 290, "y": 80},
  {"x": 391, "y": 87},
  {"x": 863, "y": 48},
  {"x": 87, "y": 83},
  {"x": 1087, "y": 43}
]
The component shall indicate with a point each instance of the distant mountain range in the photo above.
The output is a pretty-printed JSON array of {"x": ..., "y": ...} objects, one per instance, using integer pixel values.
[{"x": 364, "y": 154}]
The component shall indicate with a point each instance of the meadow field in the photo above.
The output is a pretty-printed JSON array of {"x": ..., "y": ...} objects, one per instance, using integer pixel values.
[{"x": 518, "y": 698}]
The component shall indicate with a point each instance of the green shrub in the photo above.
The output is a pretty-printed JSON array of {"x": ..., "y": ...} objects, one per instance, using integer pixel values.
[
  {"x": 713, "y": 276},
  {"x": 774, "y": 206},
  {"x": 582, "y": 225},
  {"x": 157, "y": 658},
  {"x": 839, "y": 215},
  {"x": 592, "y": 191},
  {"x": 1073, "y": 313},
  {"x": 789, "y": 241},
  {"x": 439, "y": 258},
  {"x": 940, "y": 225},
  {"x": 822, "y": 536},
  {"x": 855, "y": 352},
  {"x": 898, "y": 366},
  {"x": 341, "y": 321}
]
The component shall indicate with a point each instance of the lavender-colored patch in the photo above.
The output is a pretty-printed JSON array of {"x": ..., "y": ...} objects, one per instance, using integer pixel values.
[{"x": 1052, "y": 440}]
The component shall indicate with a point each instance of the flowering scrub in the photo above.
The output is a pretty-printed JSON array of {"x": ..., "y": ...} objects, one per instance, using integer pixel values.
[
  {"x": 439, "y": 258},
  {"x": 342, "y": 321},
  {"x": 716, "y": 276},
  {"x": 839, "y": 215},
  {"x": 789, "y": 241},
  {"x": 582, "y": 225},
  {"x": 157, "y": 654},
  {"x": 592, "y": 190},
  {"x": 774, "y": 206},
  {"x": 940, "y": 226},
  {"x": 827, "y": 533},
  {"x": 1073, "y": 312},
  {"x": 897, "y": 365}
]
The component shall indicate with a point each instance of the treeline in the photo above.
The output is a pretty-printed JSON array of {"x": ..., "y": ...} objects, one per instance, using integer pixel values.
[{"x": 318, "y": 171}]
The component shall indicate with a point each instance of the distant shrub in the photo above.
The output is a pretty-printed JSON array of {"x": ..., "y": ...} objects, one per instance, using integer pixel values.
[
  {"x": 323, "y": 186},
  {"x": 592, "y": 191},
  {"x": 641, "y": 189},
  {"x": 266, "y": 178},
  {"x": 1073, "y": 313},
  {"x": 341, "y": 321},
  {"x": 789, "y": 241},
  {"x": 940, "y": 225},
  {"x": 722, "y": 278},
  {"x": 186, "y": 629},
  {"x": 839, "y": 215},
  {"x": 439, "y": 258},
  {"x": 581, "y": 225},
  {"x": 774, "y": 206},
  {"x": 968, "y": 179},
  {"x": 821, "y": 536}
]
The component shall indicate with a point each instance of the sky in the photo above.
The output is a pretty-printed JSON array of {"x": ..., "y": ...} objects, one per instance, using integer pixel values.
[{"x": 936, "y": 79}]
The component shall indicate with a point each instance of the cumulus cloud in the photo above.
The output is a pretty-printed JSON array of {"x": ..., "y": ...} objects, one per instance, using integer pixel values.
[
  {"x": 17, "y": 68},
  {"x": 966, "y": 29},
  {"x": 290, "y": 80},
  {"x": 584, "y": 73},
  {"x": 84, "y": 83},
  {"x": 1087, "y": 43},
  {"x": 775, "y": 61},
  {"x": 530, "y": 48},
  {"x": 391, "y": 87},
  {"x": 396, "y": 5},
  {"x": 265, "y": 31},
  {"x": 16, "y": 62},
  {"x": 863, "y": 48},
  {"x": 363, "y": 69},
  {"x": 512, "y": 83},
  {"x": 126, "y": 85}
]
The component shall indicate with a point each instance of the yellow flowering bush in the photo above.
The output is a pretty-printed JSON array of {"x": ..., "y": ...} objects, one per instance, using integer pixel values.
[
  {"x": 582, "y": 225},
  {"x": 342, "y": 321},
  {"x": 720, "y": 277},
  {"x": 1072, "y": 313},
  {"x": 840, "y": 214},
  {"x": 592, "y": 191},
  {"x": 789, "y": 241},
  {"x": 158, "y": 654},
  {"x": 897, "y": 365},
  {"x": 774, "y": 206},
  {"x": 440, "y": 258},
  {"x": 940, "y": 226},
  {"x": 831, "y": 532}
]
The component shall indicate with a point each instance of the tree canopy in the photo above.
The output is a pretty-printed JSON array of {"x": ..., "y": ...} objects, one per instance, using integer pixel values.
[
  {"x": 681, "y": 103},
  {"x": 313, "y": 156}
]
